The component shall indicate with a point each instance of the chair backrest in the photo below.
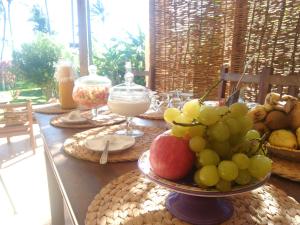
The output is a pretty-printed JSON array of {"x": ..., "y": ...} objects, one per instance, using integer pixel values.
[
  {"x": 289, "y": 84},
  {"x": 16, "y": 119},
  {"x": 263, "y": 83}
]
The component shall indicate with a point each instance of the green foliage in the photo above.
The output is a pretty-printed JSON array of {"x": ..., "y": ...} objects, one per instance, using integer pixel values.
[
  {"x": 112, "y": 61},
  {"x": 39, "y": 19},
  {"x": 35, "y": 63}
]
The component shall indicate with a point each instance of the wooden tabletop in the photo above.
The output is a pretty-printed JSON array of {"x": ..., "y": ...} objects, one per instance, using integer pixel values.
[{"x": 79, "y": 180}]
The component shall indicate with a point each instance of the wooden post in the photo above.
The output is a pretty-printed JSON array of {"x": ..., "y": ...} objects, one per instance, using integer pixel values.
[
  {"x": 222, "y": 85},
  {"x": 83, "y": 36},
  {"x": 152, "y": 44},
  {"x": 264, "y": 84}
]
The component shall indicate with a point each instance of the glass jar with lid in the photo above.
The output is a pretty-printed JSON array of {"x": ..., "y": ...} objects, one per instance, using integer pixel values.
[
  {"x": 65, "y": 77},
  {"x": 91, "y": 92},
  {"x": 129, "y": 99}
]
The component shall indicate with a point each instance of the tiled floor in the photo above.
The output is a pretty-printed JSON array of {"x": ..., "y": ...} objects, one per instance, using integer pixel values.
[{"x": 24, "y": 176}]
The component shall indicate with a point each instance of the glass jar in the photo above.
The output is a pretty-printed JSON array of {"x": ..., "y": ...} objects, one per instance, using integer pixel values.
[
  {"x": 129, "y": 99},
  {"x": 65, "y": 76},
  {"x": 91, "y": 92}
]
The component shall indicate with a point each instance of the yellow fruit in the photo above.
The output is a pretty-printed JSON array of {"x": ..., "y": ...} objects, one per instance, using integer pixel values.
[
  {"x": 283, "y": 138},
  {"x": 298, "y": 135}
]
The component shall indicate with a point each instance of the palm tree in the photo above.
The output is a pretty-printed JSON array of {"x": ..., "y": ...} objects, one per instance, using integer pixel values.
[
  {"x": 3, "y": 10},
  {"x": 48, "y": 18},
  {"x": 98, "y": 10},
  {"x": 9, "y": 22}
]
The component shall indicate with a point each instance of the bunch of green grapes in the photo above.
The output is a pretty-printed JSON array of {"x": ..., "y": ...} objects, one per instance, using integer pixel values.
[{"x": 228, "y": 151}]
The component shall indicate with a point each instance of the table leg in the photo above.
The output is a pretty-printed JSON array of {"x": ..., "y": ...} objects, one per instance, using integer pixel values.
[{"x": 56, "y": 199}]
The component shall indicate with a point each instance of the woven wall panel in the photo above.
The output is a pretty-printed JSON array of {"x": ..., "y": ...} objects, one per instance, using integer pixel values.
[
  {"x": 192, "y": 40},
  {"x": 272, "y": 36}
]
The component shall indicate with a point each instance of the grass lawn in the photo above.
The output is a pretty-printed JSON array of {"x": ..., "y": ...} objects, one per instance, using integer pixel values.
[{"x": 27, "y": 92}]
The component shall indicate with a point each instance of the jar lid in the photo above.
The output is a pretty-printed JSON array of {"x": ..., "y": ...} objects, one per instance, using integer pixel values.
[
  {"x": 93, "y": 79},
  {"x": 64, "y": 71},
  {"x": 128, "y": 91}
]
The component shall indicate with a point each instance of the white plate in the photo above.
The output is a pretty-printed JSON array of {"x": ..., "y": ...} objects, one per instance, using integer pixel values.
[
  {"x": 77, "y": 120},
  {"x": 116, "y": 142}
]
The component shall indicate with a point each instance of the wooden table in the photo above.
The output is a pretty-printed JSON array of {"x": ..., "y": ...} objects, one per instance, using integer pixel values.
[{"x": 73, "y": 183}]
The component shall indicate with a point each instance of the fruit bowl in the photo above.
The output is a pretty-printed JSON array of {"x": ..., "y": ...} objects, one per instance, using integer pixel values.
[
  {"x": 285, "y": 153},
  {"x": 193, "y": 204}
]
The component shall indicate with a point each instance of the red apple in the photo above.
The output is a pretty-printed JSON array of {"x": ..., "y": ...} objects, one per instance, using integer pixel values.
[{"x": 171, "y": 157}]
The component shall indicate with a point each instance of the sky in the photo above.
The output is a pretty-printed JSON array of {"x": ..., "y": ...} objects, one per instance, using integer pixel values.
[{"x": 121, "y": 17}]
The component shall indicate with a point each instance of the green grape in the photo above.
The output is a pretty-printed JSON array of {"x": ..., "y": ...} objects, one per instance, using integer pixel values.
[
  {"x": 197, "y": 177},
  {"x": 191, "y": 109},
  {"x": 219, "y": 132},
  {"x": 222, "y": 149},
  {"x": 208, "y": 115},
  {"x": 208, "y": 157},
  {"x": 235, "y": 139},
  {"x": 244, "y": 146},
  {"x": 241, "y": 160},
  {"x": 197, "y": 131},
  {"x": 223, "y": 185},
  {"x": 260, "y": 166},
  {"x": 170, "y": 114},
  {"x": 183, "y": 119},
  {"x": 243, "y": 178},
  {"x": 222, "y": 110},
  {"x": 228, "y": 170},
  {"x": 197, "y": 143},
  {"x": 246, "y": 124},
  {"x": 233, "y": 125},
  {"x": 254, "y": 147},
  {"x": 252, "y": 135},
  {"x": 179, "y": 131},
  {"x": 238, "y": 109},
  {"x": 208, "y": 175}
]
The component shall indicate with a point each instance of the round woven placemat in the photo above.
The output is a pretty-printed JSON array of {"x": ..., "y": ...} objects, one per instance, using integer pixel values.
[
  {"x": 108, "y": 119},
  {"x": 133, "y": 199},
  {"x": 75, "y": 146},
  {"x": 53, "y": 108},
  {"x": 286, "y": 168},
  {"x": 152, "y": 115}
]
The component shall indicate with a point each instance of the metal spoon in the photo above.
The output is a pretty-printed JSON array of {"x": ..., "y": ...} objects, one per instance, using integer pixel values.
[{"x": 103, "y": 158}]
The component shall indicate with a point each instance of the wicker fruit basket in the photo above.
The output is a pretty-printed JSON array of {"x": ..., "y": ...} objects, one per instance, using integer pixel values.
[{"x": 285, "y": 153}]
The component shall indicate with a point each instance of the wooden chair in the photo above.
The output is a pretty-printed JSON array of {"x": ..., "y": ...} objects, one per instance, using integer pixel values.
[
  {"x": 289, "y": 84},
  {"x": 264, "y": 82},
  {"x": 16, "y": 119}
]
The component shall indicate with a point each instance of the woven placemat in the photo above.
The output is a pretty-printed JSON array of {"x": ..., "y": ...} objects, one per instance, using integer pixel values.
[
  {"x": 74, "y": 146},
  {"x": 286, "y": 168},
  {"x": 152, "y": 115},
  {"x": 53, "y": 108},
  {"x": 107, "y": 119},
  {"x": 133, "y": 199}
]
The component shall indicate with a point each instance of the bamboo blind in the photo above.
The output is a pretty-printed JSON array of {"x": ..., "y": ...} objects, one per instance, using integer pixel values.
[
  {"x": 272, "y": 36},
  {"x": 191, "y": 39}
]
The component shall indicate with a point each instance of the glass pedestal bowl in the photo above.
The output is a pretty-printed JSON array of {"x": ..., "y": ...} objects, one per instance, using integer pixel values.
[
  {"x": 92, "y": 91},
  {"x": 129, "y": 99},
  {"x": 193, "y": 204}
]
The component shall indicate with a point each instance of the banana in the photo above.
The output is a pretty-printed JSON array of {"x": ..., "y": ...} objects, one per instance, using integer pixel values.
[
  {"x": 258, "y": 113},
  {"x": 268, "y": 107},
  {"x": 272, "y": 98}
]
